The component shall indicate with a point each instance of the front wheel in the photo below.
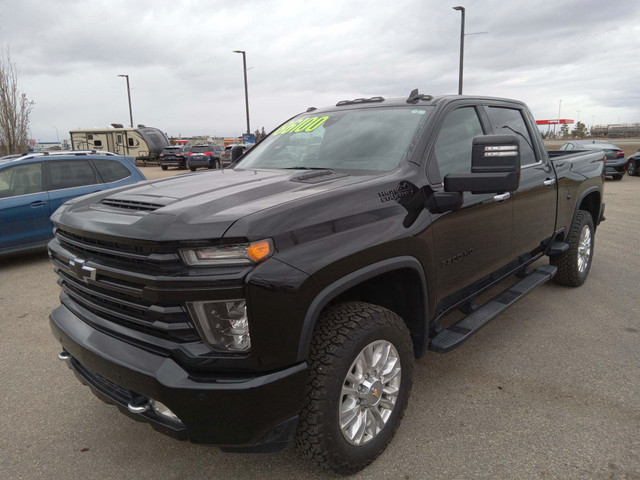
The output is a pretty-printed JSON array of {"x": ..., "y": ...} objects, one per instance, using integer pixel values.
[
  {"x": 632, "y": 169},
  {"x": 574, "y": 264},
  {"x": 193, "y": 169},
  {"x": 164, "y": 167},
  {"x": 360, "y": 364}
]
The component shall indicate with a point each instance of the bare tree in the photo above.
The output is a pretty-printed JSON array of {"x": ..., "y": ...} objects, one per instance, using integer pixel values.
[{"x": 15, "y": 109}]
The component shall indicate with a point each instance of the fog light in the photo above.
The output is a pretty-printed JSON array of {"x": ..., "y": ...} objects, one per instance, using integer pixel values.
[
  {"x": 224, "y": 326},
  {"x": 162, "y": 410}
]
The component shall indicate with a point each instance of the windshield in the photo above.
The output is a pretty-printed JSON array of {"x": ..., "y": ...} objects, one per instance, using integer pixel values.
[{"x": 361, "y": 139}]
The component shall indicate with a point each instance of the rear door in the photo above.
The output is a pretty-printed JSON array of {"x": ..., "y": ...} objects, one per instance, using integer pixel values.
[
  {"x": 68, "y": 179},
  {"x": 474, "y": 241},
  {"x": 534, "y": 203},
  {"x": 24, "y": 206}
]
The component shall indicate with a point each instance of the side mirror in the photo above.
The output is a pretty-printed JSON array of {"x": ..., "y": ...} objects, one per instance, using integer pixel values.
[{"x": 495, "y": 167}]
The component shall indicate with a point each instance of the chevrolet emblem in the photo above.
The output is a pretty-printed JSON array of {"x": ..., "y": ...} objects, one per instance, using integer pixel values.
[{"x": 81, "y": 271}]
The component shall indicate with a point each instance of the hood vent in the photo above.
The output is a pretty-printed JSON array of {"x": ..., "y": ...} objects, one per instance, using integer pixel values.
[
  {"x": 317, "y": 176},
  {"x": 131, "y": 205}
]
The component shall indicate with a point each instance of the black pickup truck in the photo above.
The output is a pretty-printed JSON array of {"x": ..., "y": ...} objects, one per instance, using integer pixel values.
[{"x": 284, "y": 300}]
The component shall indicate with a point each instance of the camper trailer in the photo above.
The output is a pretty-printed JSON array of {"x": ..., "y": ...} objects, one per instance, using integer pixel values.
[{"x": 143, "y": 143}]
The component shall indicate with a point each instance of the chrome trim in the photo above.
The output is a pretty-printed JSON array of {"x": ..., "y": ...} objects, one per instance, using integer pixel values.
[
  {"x": 64, "y": 356},
  {"x": 501, "y": 197},
  {"x": 138, "y": 408}
]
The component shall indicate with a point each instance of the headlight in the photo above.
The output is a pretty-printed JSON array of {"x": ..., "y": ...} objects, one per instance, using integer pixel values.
[
  {"x": 239, "y": 254},
  {"x": 223, "y": 326}
]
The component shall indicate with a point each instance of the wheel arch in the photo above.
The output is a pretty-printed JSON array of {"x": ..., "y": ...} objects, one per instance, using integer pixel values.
[
  {"x": 369, "y": 284},
  {"x": 591, "y": 201}
]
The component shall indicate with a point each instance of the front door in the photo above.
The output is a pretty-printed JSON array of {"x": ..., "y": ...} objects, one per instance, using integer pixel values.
[{"x": 474, "y": 241}]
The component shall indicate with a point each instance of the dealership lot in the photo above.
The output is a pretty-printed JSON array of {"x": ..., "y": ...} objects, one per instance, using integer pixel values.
[{"x": 549, "y": 389}]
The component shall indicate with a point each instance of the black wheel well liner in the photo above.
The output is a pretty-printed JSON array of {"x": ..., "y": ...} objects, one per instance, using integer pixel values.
[{"x": 398, "y": 284}]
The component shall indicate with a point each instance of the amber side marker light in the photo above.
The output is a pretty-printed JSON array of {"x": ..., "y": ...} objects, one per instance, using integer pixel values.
[{"x": 259, "y": 251}]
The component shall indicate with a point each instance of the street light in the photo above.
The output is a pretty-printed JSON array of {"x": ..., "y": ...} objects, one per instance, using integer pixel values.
[
  {"x": 461, "y": 10},
  {"x": 129, "y": 94},
  {"x": 57, "y": 136},
  {"x": 246, "y": 91}
]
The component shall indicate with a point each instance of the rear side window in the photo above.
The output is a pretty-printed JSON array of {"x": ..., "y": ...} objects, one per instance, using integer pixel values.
[
  {"x": 509, "y": 121},
  {"x": 455, "y": 141},
  {"x": 111, "y": 171},
  {"x": 71, "y": 173},
  {"x": 21, "y": 180}
]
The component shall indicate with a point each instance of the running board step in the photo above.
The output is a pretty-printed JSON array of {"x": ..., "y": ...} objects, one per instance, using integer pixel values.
[
  {"x": 557, "y": 248},
  {"x": 454, "y": 336}
]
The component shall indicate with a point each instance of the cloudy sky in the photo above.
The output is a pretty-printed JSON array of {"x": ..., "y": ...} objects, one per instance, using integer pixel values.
[{"x": 186, "y": 80}]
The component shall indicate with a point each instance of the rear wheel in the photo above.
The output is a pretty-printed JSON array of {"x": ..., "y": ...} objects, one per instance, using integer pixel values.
[
  {"x": 164, "y": 167},
  {"x": 193, "y": 169},
  {"x": 574, "y": 264},
  {"x": 618, "y": 177},
  {"x": 360, "y": 364},
  {"x": 632, "y": 168}
]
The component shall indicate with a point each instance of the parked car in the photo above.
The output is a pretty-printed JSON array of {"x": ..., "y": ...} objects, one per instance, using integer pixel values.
[
  {"x": 615, "y": 162},
  {"x": 32, "y": 187},
  {"x": 633, "y": 164},
  {"x": 226, "y": 156},
  {"x": 205, "y": 156},
  {"x": 284, "y": 300},
  {"x": 174, "y": 156}
]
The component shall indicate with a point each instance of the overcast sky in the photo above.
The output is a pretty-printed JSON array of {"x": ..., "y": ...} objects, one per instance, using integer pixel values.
[{"x": 186, "y": 81}]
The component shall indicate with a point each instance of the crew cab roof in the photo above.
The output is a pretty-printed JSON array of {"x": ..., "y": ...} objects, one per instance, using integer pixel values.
[{"x": 422, "y": 100}]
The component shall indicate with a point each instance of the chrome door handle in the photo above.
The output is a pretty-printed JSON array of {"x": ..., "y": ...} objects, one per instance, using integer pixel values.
[
  {"x": 501, "y": 197},
  {"x": 549, "y": 182}
]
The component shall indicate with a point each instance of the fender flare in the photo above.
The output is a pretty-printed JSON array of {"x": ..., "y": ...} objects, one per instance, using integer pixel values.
[
  {"x": 582, "y": 196},
  {"x": 348, "y": 281}
]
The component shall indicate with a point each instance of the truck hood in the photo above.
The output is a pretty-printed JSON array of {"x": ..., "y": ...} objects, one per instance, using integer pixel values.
[{"x": 194, "y": 207}]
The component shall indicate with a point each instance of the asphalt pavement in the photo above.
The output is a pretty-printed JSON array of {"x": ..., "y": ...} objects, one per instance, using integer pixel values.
[{"x": 550, "y": 389}]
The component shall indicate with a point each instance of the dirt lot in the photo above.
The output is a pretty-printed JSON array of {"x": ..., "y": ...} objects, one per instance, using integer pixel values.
[{"x": 548, "y": 390}]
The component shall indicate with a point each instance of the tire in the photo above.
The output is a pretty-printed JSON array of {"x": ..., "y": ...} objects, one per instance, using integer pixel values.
[
  {"x": 574, "y": 264},
  {"x": 618, "y": 177},
  {"x": 164, "y": 167},
  {"x": 193, "y": 169},
  {"x": 632, "y": 169},
  {"x": 343, "y": 335}
]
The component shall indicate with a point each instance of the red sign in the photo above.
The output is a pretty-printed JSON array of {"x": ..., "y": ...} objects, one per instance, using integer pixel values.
[{"x": 558, "y": 121}]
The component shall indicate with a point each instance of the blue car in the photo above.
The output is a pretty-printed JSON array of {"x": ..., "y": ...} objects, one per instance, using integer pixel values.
[{"x": 33, "y": 186}]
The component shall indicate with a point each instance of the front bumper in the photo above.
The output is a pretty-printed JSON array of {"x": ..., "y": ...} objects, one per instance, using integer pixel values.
[{"x": 237, "y": 413}]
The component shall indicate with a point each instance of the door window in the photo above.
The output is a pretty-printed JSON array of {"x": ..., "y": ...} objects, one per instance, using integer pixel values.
[
  {"x": 510, "y": 121},
  {"x": 455, "y": 141},
  {"x": 21, "y": 180},
  {"x": 111, "y": 171},
  {"x": 71, "y": 173}
]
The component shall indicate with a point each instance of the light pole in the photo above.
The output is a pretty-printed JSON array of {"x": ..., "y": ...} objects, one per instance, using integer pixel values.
[
  {"x": 246, "y": 91},
  {"x": 129, "y": 95},
  {"x": 461, "y": 10},
  {"x": 558, "y": 123},
  {"x": 57, "y": 136}
]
